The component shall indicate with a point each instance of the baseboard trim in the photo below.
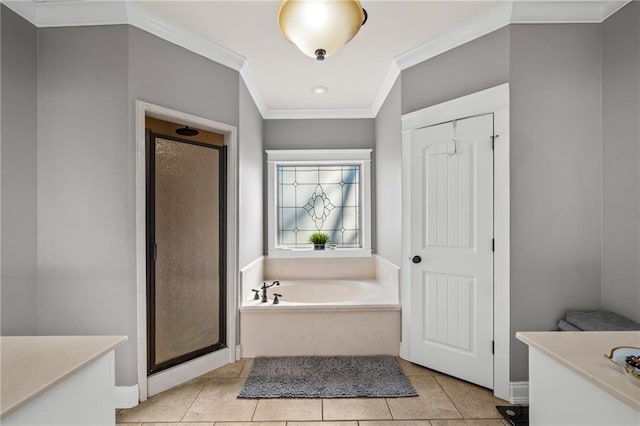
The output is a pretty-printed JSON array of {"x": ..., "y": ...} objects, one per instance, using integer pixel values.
[
  {"x": 519, "y": 393},
  {"x": 126, "y": 396},
  {"x": 186, "y": 371},
  {"x": 238, "y": 352}
]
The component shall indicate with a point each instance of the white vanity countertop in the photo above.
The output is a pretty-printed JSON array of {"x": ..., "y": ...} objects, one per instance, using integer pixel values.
[
  {"x": 583, "y": 352},
  {"x": 33, "y": 364}
]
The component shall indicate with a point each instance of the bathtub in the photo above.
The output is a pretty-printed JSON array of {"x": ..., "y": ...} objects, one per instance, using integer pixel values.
[
  {"x": 323, "y": 293},
  {"x": 322, "y": 317}
]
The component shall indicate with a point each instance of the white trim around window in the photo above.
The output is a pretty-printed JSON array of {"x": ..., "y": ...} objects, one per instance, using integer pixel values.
[{"x": 361, "y": 157}]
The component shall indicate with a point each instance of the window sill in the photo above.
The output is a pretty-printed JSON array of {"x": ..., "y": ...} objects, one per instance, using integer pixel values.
[{"x": 311, "y": 253}]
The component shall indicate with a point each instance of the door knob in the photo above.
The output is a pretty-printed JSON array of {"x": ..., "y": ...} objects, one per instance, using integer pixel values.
[{"x": 416, "y": 259}]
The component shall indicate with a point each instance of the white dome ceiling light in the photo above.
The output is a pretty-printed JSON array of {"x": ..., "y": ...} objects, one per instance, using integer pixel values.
[{"x": 319, "y": 28}]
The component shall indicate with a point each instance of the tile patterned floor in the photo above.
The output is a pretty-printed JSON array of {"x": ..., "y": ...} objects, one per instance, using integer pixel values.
[{"x": 210, "y": 400}]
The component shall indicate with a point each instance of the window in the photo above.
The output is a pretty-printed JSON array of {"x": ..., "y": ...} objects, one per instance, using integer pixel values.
[{"x": 319, "y": 191}]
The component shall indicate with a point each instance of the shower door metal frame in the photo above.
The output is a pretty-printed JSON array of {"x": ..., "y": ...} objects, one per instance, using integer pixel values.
[{"x": 151, "y": 252}]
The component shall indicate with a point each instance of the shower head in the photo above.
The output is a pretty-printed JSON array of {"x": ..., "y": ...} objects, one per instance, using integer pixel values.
[{"x": 186, "y": 131}]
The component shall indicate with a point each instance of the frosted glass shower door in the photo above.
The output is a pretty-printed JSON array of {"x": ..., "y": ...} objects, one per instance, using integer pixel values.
[{"x": 185, "y": 215}]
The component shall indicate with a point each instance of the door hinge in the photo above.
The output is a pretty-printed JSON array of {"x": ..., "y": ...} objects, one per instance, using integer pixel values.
[
  {"x": 493, "y": 244},
  {"x": 493, "y": 347},
  {"x": 493, "y": 141},
  {"x": 155, "y": 252}
]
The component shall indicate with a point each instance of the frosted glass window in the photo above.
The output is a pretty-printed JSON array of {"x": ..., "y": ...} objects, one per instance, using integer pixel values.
[
  {"x": 319, "y": 198},
  {"x": 319, "y": 190}
]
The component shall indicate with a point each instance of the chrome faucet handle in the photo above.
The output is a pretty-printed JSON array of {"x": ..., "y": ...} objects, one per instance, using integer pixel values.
[
  {"x": 257, "y": 294},
  {"x": 275, "y": 298}
]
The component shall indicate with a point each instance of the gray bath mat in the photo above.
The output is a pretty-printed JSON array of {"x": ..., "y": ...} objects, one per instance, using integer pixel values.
[{"x": 326, "y": 377}]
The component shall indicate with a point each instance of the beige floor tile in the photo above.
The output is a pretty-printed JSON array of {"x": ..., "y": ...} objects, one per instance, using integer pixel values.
[
  {"x": 250, "y": 424},
  {"x": 474, "y": 402},
  {"x": 288, "y": 409},
  {"x": 468, "y": 422},
  {"x": 229, "y": 371},
  {"x": 396, "y": 423},
  {"x": 168, "y": 406},
  {"x": 218, "y": 402},
  {"x": 248, "y": 363},
  {"x": 128, "y": 424},
  {"x": 432, "y": 402},
  {"x": 411, "y": 369},
  {"x": 354, "y": 423},
  {"x": 355, "y": 409},
  {"x": 178, "y": 424}
]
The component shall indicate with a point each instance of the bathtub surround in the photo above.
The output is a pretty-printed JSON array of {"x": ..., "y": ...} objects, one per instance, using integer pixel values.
[
  {"x": 268, "y": 269},
  {"x": 340, "y": 307},
  {"x": 326, "y": 377}
]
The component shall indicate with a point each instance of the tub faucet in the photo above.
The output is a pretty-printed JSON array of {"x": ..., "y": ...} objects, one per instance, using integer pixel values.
[{"x": 264, "y": 289}]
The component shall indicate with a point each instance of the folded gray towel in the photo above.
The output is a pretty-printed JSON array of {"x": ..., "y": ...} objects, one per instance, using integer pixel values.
[
  {"x": 565, "y": 326},
  {"x": 601, "y": 321}
]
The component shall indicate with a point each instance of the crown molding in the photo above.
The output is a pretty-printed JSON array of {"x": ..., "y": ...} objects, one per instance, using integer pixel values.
[
  {"x": 147, "y": 21},
  {"x": 564, "y": 12},
  {"x": 611, "y": 7},
  {"x": 23, "y": 8},
  {"x": 387, "y": 84},
  {"x": 490, "y": 21},
  {"x": 112, "y": 12},
  {"x": 252, "y": 86},
  {"x": 301, "y": 114}
]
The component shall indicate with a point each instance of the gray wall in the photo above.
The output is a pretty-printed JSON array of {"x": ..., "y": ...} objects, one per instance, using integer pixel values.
[
  {"x": 621, "y": 157},
  {"x": 18, "y": 152},
  {"x": 388, "y": 157},
  {"x": 89, "y": 78},
  {"x": 322, "y": 134},
  {"x": 250, "y": 158},
  {"x": 556, "y": 157},
  {"x": 168, "y": 75},
  {"x": 474, "y": 66},
  {"x": 319, "y": 134},
  {"x": 555, "y": 77},
  {"x": 165, "y": 74},
  {"x": 251, "y": 187},
  {"x": 86, "y": 212}
]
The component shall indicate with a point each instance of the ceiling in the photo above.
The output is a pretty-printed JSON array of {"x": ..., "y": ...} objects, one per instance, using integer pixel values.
[
  {"x": 244, "y": 36},
  {"x": 285, "y": 77}
]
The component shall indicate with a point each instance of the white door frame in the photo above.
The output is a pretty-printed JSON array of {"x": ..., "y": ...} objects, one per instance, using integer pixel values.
[
  {"x": 148, "y": 386},
  {"x": 494, "y": 100}
]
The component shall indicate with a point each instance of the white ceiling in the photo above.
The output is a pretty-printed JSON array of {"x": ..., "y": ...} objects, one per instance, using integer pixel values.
[
  {"x": 244, "y": 36},
  {"x": 284, "y": 76}
]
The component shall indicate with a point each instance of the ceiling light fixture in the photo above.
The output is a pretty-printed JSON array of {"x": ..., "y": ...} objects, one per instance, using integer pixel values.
[
  {"x": 319, "y": 28},
  {"x": 319, "y": 90}
]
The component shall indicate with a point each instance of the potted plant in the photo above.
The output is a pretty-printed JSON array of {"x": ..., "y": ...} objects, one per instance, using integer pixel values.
[{"x": 319, "y": 240}]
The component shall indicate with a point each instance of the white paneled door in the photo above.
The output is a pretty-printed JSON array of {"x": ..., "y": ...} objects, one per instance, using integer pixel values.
[{"x": 451, "y": 224}]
